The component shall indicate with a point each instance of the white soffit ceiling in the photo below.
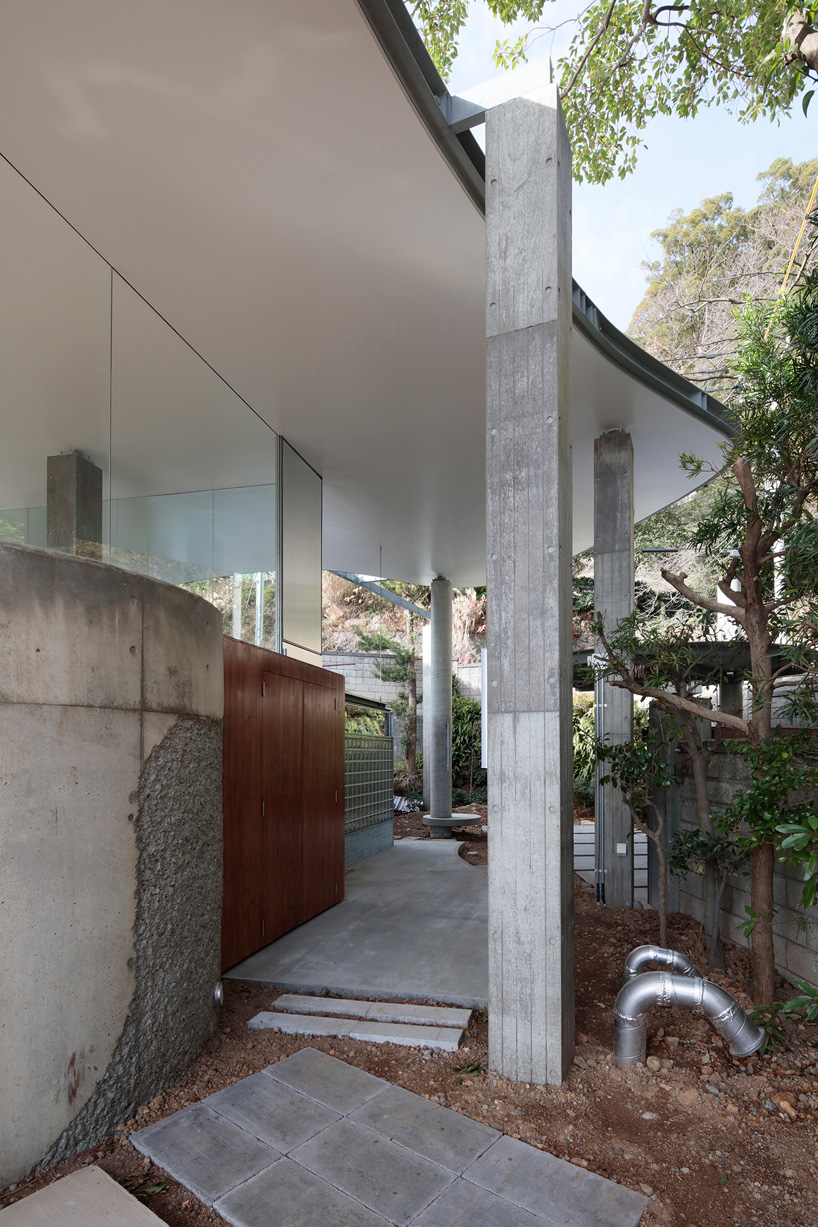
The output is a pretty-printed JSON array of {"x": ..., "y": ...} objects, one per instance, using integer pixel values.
[{"x": 254, "y": 169}]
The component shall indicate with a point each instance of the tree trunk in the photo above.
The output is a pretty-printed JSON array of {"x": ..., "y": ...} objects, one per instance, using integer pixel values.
[
  {"x": 715, "y": 951},
  {"x": 698, "y": 767},
  {"x": 411, "y": 721},
  {"x": 662, "y": 894},
  {"x": 762, "y": 935},
  {"x": 655, "y": 835}
]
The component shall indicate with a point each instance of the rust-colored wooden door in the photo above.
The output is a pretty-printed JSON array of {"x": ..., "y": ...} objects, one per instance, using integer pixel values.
[
  {"x": 323, "y": 791},
  {"x": 282, "y": 804},
  {"x": 283, "y": 796},
  {"x": 242, "y": 823}
]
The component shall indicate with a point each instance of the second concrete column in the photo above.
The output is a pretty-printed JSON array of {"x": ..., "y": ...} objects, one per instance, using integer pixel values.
[
  {"x": 613, "y": 598},
  {"x": 440, "y": 716}
]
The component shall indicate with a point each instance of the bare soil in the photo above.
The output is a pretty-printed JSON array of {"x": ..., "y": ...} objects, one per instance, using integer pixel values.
[{"x": 711, "y": 1140}]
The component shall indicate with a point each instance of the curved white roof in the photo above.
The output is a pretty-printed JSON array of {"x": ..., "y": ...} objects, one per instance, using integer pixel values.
[{"x": 268, "y": 176}]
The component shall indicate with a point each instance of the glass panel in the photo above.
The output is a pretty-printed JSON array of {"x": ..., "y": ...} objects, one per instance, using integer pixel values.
[
  {"x": 55, "y": 328},
  {"x": 301, "y": 552},
  {"x": 194, "y": 472}
]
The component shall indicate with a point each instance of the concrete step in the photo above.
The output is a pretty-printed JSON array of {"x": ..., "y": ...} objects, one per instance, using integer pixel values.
[
  {"x": 376, "y": 1011},
  {"x": 410, "y": 1035},
  {"x": 86, "y": 1198}
]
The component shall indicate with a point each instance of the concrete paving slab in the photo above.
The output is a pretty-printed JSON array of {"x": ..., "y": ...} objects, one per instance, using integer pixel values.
[
  {"x": 206, "y": 1152},
  {"x": 375, "y": 1011},
  {"x": 299, "y": 1024},
  {"x": 445, "y": 1039},
  {"x": 87, "y": 1197},
  {"x": 360, "y": 948},
  {"x": 464, "y": 1204},
  {"x": 271, "y": 1111},
  {"x": 425, "y": 1015},
  {"x": 437, "y": 1133},
  {"x": 558, "y": 1192},
  {"x": 300, "y": 1198},
  {"x": 386, "y": 1177},
  {"x": 295, "y": 1003},
  {"x": 329, "y": 1081}
]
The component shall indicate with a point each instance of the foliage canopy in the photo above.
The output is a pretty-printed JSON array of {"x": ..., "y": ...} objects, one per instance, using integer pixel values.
[{"x": 630, "y": 60}]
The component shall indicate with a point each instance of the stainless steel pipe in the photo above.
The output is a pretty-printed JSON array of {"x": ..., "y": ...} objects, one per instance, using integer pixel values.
[
  {"x": 653, "y": 988},
  {"x": 672, "y": 960}
]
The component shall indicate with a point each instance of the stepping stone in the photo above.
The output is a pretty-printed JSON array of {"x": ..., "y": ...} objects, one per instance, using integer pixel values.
[
  {"x": 465, "y": 1205},
  {"x": 410, "y": 1035},
  {"x": 300, "y": 1198},
  {"x": 293, "y": 1024},
  {"x": 206, "y": 1152},
  {"x": 387, "y": 1178},
  {"x": 445, "y": 1137},
  {"x": 553, "y": 1189},
  {"x": 86, "y": 1197},
  {"x": 271, "y": 1111},
  {"x": 324, "y": 1078},
  {"x": 376, "y": 1011}
]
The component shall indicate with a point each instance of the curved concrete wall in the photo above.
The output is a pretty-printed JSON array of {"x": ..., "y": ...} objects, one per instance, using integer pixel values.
[{"x": 111, "y": 705}]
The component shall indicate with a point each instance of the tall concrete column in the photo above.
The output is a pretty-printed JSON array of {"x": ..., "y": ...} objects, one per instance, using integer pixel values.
[
  {"x": 528, "y": 513},
  {"x": 440, "y": 716},
  {"x": 426, "y": 698},
  {"x": 613, "y": 598},
  {"x": 74, "y": 505}
]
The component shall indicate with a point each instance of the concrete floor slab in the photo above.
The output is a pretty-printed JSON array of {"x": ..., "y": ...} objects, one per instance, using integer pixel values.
[
  {"x": 300, "y": 1198},
  {"x": 559, "y": 1192},
  {"x": 438, "y": 1134},
  {"x": 272, "y": 1112},
  {"x": 87, "y": 1197},
  {"x": 329, "y": 1081},
  {"x": 392, "y": 1181},
  {"x": 206, "y": 1152},
  {"x": 413, "y": 925}
]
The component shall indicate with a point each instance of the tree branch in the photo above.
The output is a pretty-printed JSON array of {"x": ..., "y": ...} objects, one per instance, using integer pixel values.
[
  {"x": 703, "y": 602},
  {"x": 685, "y": 705},
  {"x": 603, "y": 29},
  {"x": 800, "y": 39}
]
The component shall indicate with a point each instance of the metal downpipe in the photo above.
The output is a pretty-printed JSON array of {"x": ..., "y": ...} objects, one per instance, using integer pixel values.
[
  {"x": 653, "y": 988},
  {"x": 671, "y": 960}
]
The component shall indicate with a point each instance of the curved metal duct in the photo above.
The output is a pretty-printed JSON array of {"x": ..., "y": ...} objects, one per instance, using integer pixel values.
[
  {"x": 653, "y": 988},
  {"x": 639, "y": 958}
]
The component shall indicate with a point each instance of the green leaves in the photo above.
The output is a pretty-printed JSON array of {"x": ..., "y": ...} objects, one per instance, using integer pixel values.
[{"x": 629, "y": 61}]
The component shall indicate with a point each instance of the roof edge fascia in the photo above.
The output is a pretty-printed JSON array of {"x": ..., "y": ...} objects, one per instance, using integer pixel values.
[{"x": 403, "y": 47}]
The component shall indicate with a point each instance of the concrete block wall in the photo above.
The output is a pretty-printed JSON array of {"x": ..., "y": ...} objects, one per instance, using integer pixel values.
[
  {"x": 795, "y": 933},
  {"x": 111, "y": 701},
  {"x": 359, "y": 670}
]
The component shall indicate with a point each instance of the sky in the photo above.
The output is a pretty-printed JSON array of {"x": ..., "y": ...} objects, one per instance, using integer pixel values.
[{"x": 686, "y": 161}]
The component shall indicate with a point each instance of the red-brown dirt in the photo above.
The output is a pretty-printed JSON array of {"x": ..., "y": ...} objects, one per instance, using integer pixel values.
[{"x": 712, "y": 1141}]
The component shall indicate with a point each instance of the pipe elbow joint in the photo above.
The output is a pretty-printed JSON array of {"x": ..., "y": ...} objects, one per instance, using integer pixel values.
[
  {"x": 671, "y": 960},
  {"x": 649, "y": 989}
]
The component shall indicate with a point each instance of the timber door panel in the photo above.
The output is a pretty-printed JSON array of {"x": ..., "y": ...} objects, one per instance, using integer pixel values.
[
  {"x": 283, "y": 796},
  {"x": 323, "y": 799},
  {"x": 282, "y": 781},
  {"x": 242, "y": 908}
]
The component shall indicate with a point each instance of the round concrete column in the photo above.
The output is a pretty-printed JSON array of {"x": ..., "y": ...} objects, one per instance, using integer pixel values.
[{"x": 440, "y": 743}]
